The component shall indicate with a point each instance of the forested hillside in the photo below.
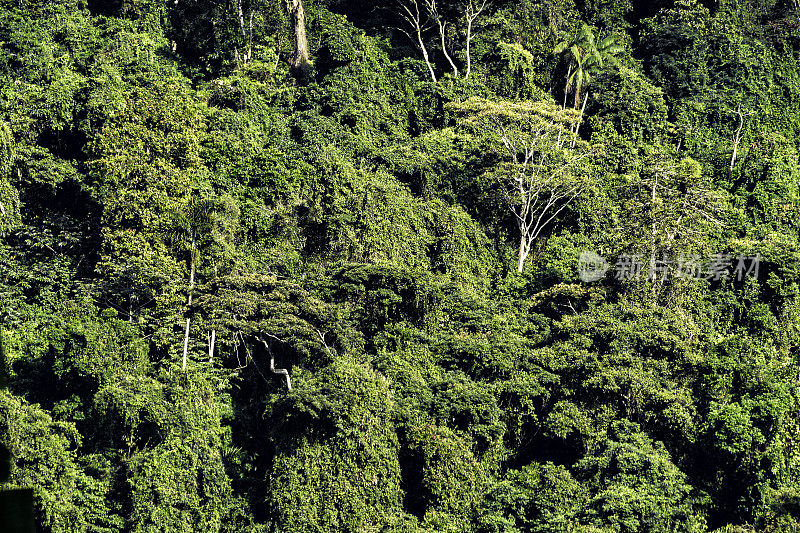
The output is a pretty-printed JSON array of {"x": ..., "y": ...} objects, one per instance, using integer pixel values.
[{"x": 402, "y": 265}]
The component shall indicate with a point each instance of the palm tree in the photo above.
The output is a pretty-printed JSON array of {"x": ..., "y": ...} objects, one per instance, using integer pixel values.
[
  {"x": 572, "y": 46},
  {"x": 189, "y": 225},
  {"x": 586, "y": 58}
]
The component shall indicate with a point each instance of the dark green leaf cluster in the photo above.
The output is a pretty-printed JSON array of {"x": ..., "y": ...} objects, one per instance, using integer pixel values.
[{"x": 242, "y": 292}]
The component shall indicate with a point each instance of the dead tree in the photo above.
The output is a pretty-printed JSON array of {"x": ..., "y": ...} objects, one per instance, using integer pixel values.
[
  {"x": 433, "y": 11},
  {"x": 472, "y": 11},
  {"x": 540, "y": 192},
  {"x": 417, "y": 25}
]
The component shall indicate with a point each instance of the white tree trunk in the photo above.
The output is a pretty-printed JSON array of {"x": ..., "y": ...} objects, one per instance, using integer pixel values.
[
  {"x": 523, "y": 253},
  {"x": 469, "y": 42},
  {"x": 471, "y": 13},
  {"x": 425, "y": 56},
  {"x": 186, "y": 344},
  {"x": 414, "y": 20},
  {"x": 301, "y": 61},
  {"x": 211, "y": 343},
  {"x": 189, "y": 304},
  {"x": 738, "y": 137},
  {"x": 433, "y": 11},
  {"x": 442, "y": 27},
  {"x": 281, "y": 371}
]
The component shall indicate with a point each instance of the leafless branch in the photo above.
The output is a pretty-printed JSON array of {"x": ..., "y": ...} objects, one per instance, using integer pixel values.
[
  {"x": 280, "y": 371},
  {"x": 409, "y": 11}
]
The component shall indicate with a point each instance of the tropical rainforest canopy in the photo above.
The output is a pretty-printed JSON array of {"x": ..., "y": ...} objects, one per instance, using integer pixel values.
[{"x": 284, "y": 266}]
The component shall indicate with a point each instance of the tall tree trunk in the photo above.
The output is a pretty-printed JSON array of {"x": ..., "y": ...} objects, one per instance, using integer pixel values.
[
  {"x": 469, "y": 43},
  {"x": 425, "y": 56},
  {"x": 433, "y": 11},
  {"x": 442, "y": 27},
  {"x": 471, "y": 12},
  {"x": 189, "y": 304},
  {"x": 653, "y": 230},
  {"x": 523, "y": 253},
  {"x": 249, "y": 53},
  {"x": 414, "y": 19},
  {"x": 213, "y": 335},
  {"x": 300, "y": 63}
]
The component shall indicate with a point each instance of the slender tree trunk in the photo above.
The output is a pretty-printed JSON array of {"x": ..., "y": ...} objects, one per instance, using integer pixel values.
[
  {"x": 300, "y": 63},
  {"x": 425, "y": 56},
  {"x": 472, "y": 12},
  {"x": 469, "y": 42},
  {"x": 433, "y": 11},
  {"x": 653, "y": 229},
  {"x": 245, "y": 59},
  {"x": 442, "y": 26},
  {"x": 186, "y": 344},
  {"x": 250, "y": 38},
  {"x": 414, "y": 19},
  {"x": 580, "y": 118},
  {"x": 213, "y": 335},
  {"x": 189, "y": 304}
]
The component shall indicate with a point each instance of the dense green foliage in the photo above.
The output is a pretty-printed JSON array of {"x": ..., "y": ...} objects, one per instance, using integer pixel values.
[{"x": 168, "y": 180}]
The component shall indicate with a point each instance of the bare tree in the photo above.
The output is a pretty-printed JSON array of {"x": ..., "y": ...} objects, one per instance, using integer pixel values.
[
  {"x": 419, "y": 18},
  {"x": 472, "y": 11},
  {"x": 540, "y": 190},
  {"x": 417, "y": 25},
  {"x": 538, "y": 173},
  {"x": 433, "y": 11}
]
